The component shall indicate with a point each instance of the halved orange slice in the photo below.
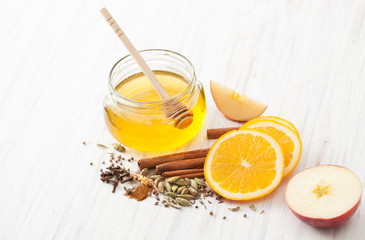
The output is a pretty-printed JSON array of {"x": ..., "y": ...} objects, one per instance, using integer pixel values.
[
  {"x": 244, "y": 165},
  {"x": 282, "y": 131}
]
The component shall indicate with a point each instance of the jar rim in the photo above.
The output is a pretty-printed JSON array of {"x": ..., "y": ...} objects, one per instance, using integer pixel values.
[{"x": 176, "y": 97}]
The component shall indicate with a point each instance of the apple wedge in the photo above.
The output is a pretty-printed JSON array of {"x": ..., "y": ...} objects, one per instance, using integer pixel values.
[
  {"x": 324, "y": 196},
  {"x": 233, "y": 105}
]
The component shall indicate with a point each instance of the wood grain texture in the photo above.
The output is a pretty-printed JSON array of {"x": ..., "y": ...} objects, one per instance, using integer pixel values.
[{"x": 305, "y": 59}]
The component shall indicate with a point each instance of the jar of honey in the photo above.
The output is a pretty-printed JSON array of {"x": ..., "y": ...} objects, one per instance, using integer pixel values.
[{"x": 136, "y": 115}]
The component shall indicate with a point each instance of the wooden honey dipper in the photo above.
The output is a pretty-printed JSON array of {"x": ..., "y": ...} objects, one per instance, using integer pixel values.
[{"x": 182, "y": 116}]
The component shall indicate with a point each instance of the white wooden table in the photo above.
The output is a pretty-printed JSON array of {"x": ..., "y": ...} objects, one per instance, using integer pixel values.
[{"x": 304, "y": 58}]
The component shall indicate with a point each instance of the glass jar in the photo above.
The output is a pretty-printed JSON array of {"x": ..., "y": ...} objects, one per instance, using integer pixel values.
[{"x": 137, "y": 117}]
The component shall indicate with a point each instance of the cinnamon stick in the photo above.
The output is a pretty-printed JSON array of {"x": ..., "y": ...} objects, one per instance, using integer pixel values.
[
  {"x": 181, "y": 172},
  {"x": 153, "y": 162},
  {"x": 179, "y": 165},
  {"x": 193, "y": 175},
  {"x": 217, "y": 132}
]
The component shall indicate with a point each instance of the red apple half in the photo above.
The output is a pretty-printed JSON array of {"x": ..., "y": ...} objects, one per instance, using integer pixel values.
[
  {"x": 233, "y": 105},
  {"x": 324, "y": 196}
]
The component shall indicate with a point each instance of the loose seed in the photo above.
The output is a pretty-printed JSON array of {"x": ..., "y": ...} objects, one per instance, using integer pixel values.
[
  {"x": 156, "y": 203},
  {"x": 235, "y": 209},
  {"x": 160, "y": 187},
  {"x": 245, "y": 215},
  {"x": 166, "y": 205},
  {"x": 172, "y": 179},
  {"x": 252, "y": 207},
  {"x": 211, "y": 213},
  {"x": 181, "y": 182},
  {"x": 262, "y": 212},
  {"x": 182, "y": 202},
  {"x": 199, "y": 181},
  {"x": 209, "y": 202},
  {"x": 224, "y": 217},
  {"x": 118, "y": 147},
  {"x": 144, "y": 171}
]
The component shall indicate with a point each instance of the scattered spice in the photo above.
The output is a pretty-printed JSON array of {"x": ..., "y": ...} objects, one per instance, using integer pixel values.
[
  {"x": 235, "y": 209},
  {"x": 262, "y": 212},
  {"x": 91, "y": 163},
  {"x": 196, "y": 206},
  {"x": 211, "y": 213},
  {"x": 224, "y": 217},
  {"x": 252, "y": 207},
  {"x": 209, "y": 202},
  {"x": 118, "y": 147},
  {"x": 141, "y": 193},
  {"x": 245, "y": 215},
  {"x": 156, "y": 203}
]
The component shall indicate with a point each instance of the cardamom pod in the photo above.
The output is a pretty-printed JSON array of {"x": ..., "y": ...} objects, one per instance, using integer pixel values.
[
  {"x": 181, "y": 182},
  {"x": 235, "y": 209},
  {"x": 193, "y": 184},
  {"x": 168, "y": 187},
  {"x": 185, "y": 191},
  {"x": 182, "y": 202},
  {"x": 157, "y": 181},
  {"x": 118, "y": 147},
  {"x": 170, "y": 201},
  {"x": 193, "y": 191},
  {"x": 172, "y": 179},
  {"x": 199, "y": 181},
  {"x": 160, "y": 187},
  {"x": 179, "y": 190},
  {"x": 174, "y": 188},
  {"x": 252, "y": 207},
  {"x": 154, "y": 177},
  {"x": 170, "y": 194},
  {"x": 186, "y": 196},
  {"x": 187, "y": 180},
  {"x": 144, "y": 172}
]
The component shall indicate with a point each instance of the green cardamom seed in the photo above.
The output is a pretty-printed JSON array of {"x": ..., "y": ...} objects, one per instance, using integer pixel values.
[
  {"x": 154, "y": 177},
  {"x": 160, "y": 187},
  {"x": 186, "y": 196},
  {"x": 183, "y": 202},
  {"x": 193, "y": 191},
  {"x": 172, "y": 179},
  {"x": 187, "y": 180},
  {"x": 194, "y": 184},
  {"x": 170, "y": 194},
  {"x": 174, "y": 188},
  {"x": 199, "y": 181},
  {"x": 144, "y": 172},
  {"x": 170, "y": 201},
  {"x": 235, "y": 209},
  {"x": 168, "y": 187},
  {"x": 185, "y": 191},
  {"x": 157, "y": 181},
  {"x": 179, "y": 190},
  {"x": 181, "y": 182}
]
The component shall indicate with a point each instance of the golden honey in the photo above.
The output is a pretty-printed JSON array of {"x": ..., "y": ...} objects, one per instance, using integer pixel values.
[{"x": 137, "y": 117}]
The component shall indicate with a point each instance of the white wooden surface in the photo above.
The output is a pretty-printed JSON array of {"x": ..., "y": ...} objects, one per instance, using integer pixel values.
[{"x": 304, "y": 58}]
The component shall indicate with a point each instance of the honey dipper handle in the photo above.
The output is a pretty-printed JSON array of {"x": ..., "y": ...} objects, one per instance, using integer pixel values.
[{"x": 135, "y": 54}]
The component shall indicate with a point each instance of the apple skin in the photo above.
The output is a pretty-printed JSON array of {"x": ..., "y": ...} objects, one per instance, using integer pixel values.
[
  {"x": 259, "y": 107},
  {"x": 329, "y": 222},
  {"x": 326, "y": 222}
]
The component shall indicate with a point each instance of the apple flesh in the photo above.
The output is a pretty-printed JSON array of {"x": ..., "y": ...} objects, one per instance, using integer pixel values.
[
  {"x": 324, "y": 196},
  {"x": 233, "y": 105}
]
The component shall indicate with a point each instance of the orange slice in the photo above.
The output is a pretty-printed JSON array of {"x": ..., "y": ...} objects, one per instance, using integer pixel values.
[
  {"x": 244, "y": 165},
  {"x": 284, "y": 134},
  {"x": 280, "y": 120}
]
